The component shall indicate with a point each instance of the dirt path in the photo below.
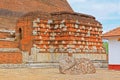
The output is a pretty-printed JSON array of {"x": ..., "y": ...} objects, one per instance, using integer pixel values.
[{"x": 53, "y": 74}]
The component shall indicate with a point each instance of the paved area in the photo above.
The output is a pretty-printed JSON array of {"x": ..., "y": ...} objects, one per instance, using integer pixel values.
[{"x": 53, "y": 74}]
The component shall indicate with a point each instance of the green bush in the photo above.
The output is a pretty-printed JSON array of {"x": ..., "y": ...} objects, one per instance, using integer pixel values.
[{"x": 105, "y": 45}]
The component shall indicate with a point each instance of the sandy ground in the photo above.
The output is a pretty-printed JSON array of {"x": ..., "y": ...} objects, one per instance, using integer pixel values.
[{"x": 53, "y": 74}]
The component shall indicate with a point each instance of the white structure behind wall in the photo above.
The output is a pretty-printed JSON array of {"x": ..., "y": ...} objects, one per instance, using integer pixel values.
[
  {"x": 113, "y": 38},
  {"x": 114, "y": 51}
]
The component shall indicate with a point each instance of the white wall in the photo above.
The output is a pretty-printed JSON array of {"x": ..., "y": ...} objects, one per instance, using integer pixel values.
[{"x": 114, "y": 51}]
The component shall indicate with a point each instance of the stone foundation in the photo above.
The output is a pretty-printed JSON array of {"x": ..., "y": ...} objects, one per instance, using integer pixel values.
[
  {"x": 52, "y": 59},
  {"x": 91, "y": 56}
]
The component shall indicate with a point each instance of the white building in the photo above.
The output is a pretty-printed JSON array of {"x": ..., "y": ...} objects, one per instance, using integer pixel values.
[{"x": 113, "y": 38}]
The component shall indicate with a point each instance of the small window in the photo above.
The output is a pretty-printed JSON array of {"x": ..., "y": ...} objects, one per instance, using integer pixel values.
[{"x": 20, "y": 33}]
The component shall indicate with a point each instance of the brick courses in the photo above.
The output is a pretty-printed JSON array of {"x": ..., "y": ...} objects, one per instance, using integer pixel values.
[
  {"x": 52, "y": 32},
  {"x": 10, "y": 58}
]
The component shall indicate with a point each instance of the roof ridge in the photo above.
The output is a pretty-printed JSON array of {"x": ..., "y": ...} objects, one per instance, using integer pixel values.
[{"x": 113, "y": 32}]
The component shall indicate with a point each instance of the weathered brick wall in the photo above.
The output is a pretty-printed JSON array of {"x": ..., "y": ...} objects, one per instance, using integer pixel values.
[
  {"x": 67, "y": 35},
  {"x": 3, "y": 35},
  {"x": 25, "y": 43},
  {"x": 10, "y": 58},
  {"x": 8, "y": 44},
  {"x": 9, "y": 48},
  {"x": 59, "y": 33}
]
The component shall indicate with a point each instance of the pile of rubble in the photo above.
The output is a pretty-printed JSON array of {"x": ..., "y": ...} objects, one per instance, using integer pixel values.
[{"x": 70, "y": 65}]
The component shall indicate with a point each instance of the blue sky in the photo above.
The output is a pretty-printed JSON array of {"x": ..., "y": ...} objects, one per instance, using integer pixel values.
[{"x": 106, "y": 11}]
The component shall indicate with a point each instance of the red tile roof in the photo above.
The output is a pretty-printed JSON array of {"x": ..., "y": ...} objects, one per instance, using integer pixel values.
[{"x": 114, "y": 32}]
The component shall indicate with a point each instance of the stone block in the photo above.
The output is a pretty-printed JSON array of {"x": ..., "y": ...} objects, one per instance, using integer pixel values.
[{"x": 76, "y": 66}]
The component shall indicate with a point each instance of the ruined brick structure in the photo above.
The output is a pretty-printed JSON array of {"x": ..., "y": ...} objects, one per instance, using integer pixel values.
[
  {"x": 9, "y": 52},
  {"x": 47, "y": 36},
  {"x": 43, "y": 36}
]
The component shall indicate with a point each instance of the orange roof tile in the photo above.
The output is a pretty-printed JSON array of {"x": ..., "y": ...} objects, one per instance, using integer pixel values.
[{"x": 114, "y": 32}]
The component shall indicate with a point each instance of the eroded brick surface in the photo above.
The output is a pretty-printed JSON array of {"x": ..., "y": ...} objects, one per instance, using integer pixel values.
[
  {"x": 9, "y": 48},
  {"x": 10, "y": 58},
  {"x": 8, "y": 44},
  {"x": 63, "y": 36},
  {"x": 59, "y": 33}
]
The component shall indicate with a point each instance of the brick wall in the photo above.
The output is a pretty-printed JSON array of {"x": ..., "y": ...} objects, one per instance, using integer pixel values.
[
  {"x": 61, "y": 36},
  {"x": 10, "y": 58},
  {"x": 4, "y": 35},
  {"x": 63, "y": 33},
  {"x": 9, "y": 48},
  {"x": 26, "y": 29},
  {"x": 8, "y": 44}
]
